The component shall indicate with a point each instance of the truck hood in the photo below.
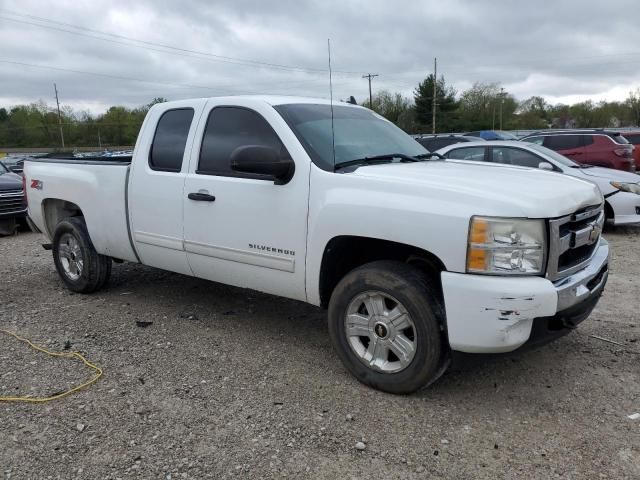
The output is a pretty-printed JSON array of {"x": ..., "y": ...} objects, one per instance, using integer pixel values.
[
  {"x": 492, "y": 189},
  {"x": 10, "y": 181},
  {"x": 610, "y": 174}
]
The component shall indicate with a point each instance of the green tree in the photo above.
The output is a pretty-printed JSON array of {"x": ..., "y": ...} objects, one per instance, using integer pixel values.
[
  {"x": 390, "y": 105},
  {"x": 446, "y": 105}
]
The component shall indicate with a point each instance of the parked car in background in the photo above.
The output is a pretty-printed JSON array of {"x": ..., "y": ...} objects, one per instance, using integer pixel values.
[
  {"x": 621, "y": 190},
  {"x": 601, "y": 148},
  {"x": 436, "y": 141},
  {"x": 633, "y": 138},
  {"x": 14, "y": 164},
  {"x": 13, "y": 206},
  {"x": 492, "y": 135}
]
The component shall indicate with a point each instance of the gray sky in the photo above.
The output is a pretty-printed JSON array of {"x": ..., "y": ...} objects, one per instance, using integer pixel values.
[{"x": 566, "y": 51}]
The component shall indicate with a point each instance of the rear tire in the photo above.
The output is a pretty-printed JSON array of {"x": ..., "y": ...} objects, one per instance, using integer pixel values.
[
  {"x": 386, "y": 323},
  {"x": 80, "y": 267}
]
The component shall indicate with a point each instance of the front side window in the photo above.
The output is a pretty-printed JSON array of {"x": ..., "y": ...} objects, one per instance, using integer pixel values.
[
  {"x": 467, "y": 153},
  {"x": 515, "y": 156},
  {"x": 170, "y": 139},
  {"x": 229, "y": 128},
  {"x": 353, "y": 133}
]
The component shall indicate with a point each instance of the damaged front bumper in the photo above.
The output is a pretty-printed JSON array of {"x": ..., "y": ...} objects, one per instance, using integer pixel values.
[{"x": 488, "y": 314}]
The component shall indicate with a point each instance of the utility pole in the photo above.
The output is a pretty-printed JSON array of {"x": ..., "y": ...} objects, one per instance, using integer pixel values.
[
  {"x": 435, "y": 102},
  {"x": 370, "y": 76},
  {"x": 55, "y": 88},
  {"x": 501, "y": 103}
]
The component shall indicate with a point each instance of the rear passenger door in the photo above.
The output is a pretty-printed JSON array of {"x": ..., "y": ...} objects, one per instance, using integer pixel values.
[
  {"x": 251, "y": 232},
  {"x": 156, "y": 186}
]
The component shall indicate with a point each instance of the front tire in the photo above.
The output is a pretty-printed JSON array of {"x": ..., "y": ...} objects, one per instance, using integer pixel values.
[
  {"x": 80, "y": 267},
  {"x": 386, "y": 324}
]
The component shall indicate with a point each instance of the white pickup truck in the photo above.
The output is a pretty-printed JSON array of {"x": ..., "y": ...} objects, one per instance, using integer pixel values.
[{"x": 414, "y": 257}]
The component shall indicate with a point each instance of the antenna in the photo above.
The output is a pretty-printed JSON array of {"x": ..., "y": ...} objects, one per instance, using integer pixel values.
[{"x": 333, "y": 134}]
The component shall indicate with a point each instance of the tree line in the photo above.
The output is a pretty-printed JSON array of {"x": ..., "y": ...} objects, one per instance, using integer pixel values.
[
  {"x": 484, "y": 106},
  {"x": 487, "y": 106}
]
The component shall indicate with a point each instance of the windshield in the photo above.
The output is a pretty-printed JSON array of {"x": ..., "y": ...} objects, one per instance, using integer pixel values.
[
  {"x": 561, "y": 159},
  {"x": 359, "y": 133},
  {"x": 3, "y": 168}
]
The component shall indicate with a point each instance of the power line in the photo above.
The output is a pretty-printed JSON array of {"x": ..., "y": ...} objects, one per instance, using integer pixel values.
[
  {"x": 170, "y": 49},
  {"x": 119, "y": 77}
]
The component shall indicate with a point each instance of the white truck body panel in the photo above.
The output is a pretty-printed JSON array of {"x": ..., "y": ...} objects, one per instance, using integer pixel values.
[{"x": 272, "y": 238}]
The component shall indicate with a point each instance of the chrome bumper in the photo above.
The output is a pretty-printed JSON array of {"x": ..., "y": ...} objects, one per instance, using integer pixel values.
[{"x": 586, "y": 282}]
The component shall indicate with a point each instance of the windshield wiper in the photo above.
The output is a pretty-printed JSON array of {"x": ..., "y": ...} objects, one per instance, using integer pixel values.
[
  {"x": 376, "y": 159},
  {"x": 430, "y": 155}
]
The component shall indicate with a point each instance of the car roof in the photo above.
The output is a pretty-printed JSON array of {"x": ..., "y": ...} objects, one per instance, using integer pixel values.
[
  {"x": 489, "y": 143},
  {"x": 574, "y": 132},
  {"x": 272, "y": 100}
]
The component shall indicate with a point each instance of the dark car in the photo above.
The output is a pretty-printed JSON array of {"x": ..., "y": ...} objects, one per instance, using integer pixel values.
[
  {"x": 440, "y": 140},
  {"x": 13, "y": 205},
  {"x": 14, "y": 164},
  {"x": 492, "y": 135},
  {"x": 601, "y": 148},
  {"x": 634, "y": 139}
]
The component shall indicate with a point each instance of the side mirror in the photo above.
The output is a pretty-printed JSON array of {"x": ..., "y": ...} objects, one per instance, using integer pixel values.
[
  {"x": 545, "y": 166},
  {"x": 263, "y": 160}
]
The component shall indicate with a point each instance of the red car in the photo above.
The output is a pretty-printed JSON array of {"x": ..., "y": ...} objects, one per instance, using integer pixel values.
[
  {"x": 602, "y": 148},
  {"x": 634, "y": 139}
]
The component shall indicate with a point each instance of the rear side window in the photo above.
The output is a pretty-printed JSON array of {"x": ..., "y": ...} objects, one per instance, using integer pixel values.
[
  {"x": 229, "y": 128},
  {"x": 427, "y": 143},
  {"x": 635, "y": 138},
  {"x": 562, "y": 142},
  {"x": 170, "y": 139},
  {"x": 467, "y": 153},
  {"x": 587, "y": 140}
]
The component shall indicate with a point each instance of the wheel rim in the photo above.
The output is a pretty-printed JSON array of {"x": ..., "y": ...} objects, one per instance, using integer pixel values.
[
  {"x": 70, "y": 255},
  {"x": 380, "y": 332}
]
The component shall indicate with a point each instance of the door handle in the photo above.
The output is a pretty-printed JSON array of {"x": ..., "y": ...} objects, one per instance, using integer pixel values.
[{"x": 201, "y": 197}]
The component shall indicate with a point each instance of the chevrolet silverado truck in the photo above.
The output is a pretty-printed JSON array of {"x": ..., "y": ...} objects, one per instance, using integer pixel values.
[{"x": 414, "y": 257}]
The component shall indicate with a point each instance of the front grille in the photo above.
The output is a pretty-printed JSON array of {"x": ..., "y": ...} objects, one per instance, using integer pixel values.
[
  {"x": 12, "y": 201},
  {"x": 573, "y": 241}
]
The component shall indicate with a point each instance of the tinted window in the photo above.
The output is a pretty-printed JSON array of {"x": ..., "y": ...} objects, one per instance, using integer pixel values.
[
  {"x": 427, "y": 143},
  {"x": 515, "y": 156},
  {"x": 586, "y": 140},
  {"x": 635, "y": 138},
  {"x": 170, "y": 140},
  {"x": 619, "y": 139},
  {"x": 562, "y": 142},
  {"x": 229, "y": 128},
  {"x": 536, "y": 140},
  {"x": 467, "y": 153}
]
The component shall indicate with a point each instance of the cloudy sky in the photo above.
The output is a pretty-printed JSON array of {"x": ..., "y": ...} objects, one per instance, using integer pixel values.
[{"x": 125, "y": 52}]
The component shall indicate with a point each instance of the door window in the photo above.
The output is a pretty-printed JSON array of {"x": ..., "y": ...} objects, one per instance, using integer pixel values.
[
  {"x": 229, "y": 128},
  {"x": 170, "y": 140},
  {"x": 562, "y": 142},
  {"x": 467, "y": 153},
  {"x": 515, "y": 156},
  {"x": 536, "y": 140}
]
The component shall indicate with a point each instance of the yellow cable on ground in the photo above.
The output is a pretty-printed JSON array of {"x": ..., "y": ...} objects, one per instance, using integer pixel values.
[{"x": 95, "y": 378}]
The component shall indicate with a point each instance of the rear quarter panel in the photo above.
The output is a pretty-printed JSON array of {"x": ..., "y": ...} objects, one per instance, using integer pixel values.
[{"x": 99, "y": 192}]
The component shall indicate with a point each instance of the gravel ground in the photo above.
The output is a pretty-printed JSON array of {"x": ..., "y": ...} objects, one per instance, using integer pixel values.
[{"x": 232, "y": 383}]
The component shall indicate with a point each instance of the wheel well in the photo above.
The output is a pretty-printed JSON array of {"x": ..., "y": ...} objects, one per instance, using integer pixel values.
[
  {"x": 56, "y": 210},
  {"x": 343, "y": 254},
  {"x": 609, "y": 214}
]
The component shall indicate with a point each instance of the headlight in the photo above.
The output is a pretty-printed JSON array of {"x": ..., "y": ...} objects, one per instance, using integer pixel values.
[
  {"x": 627, "y": 187},
  {"x": 506, "y": 246}
]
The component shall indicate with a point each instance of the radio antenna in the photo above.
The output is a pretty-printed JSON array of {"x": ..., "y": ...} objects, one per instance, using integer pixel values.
[{"x": 333, "y": 135}]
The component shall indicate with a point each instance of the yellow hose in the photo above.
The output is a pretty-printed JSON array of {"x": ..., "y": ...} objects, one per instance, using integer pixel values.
[{"x": 95, "y": 378}]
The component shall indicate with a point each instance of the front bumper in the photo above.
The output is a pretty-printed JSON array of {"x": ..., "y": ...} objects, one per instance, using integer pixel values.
[
  {"x": 488, "y": 314},
  {"x": 13, "y": 214},
  {"x": 626, "y": 208}
]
